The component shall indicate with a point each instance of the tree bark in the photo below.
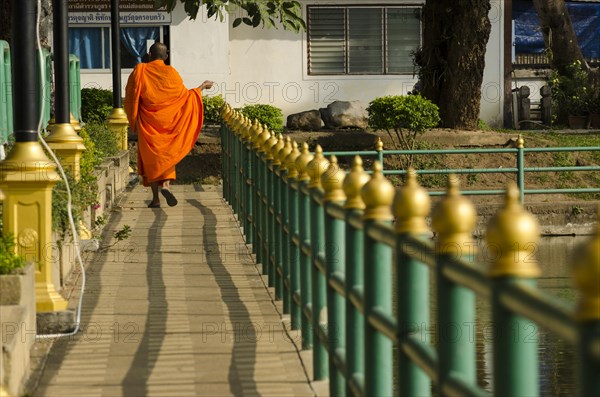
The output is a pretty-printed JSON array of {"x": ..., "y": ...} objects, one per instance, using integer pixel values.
[
  {"x": 452, "y": 59},
  {"x": 560, "y": 38}
]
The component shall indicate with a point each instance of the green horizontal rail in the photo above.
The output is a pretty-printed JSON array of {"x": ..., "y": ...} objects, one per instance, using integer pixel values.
[{"x": 331, "y": 266}]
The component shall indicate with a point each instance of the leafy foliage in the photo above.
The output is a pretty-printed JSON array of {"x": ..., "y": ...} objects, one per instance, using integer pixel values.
[
  {"x": 254, "y": 12},
  {"x": 212, "y": 108},
  {"x": 265, "y": 114},
  {"x": 571, "y": 92},
  {"x": 9, "y": 260},
  {"x": 104, "y": 139},
  {"x": 96, "y": 105},
  {"x": 407, "y": 116}
]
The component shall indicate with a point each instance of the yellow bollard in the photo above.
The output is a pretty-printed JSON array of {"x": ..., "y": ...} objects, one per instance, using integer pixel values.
[
  {"x": 27, "y": 177},
  {"x": 117, "y": 121},
  {"x": 68, "y": 146}
]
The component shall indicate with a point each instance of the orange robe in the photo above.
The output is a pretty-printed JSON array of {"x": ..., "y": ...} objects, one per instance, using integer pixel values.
[{"x": 166, "y": 116}]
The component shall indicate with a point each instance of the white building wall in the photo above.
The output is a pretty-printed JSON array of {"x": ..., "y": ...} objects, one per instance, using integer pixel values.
[
  {"x": 198, "y": 50},
  {"x": 270, "y": 67},
  {"x": 492, "y": 88}
]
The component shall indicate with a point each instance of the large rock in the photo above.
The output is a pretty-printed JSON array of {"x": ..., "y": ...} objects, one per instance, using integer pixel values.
[
  {"x": 307, "y": 121},
  {"x": 345, "y": 114}
]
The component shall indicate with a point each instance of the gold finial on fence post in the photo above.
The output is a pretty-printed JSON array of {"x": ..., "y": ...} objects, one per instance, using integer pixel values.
[
  {"x": 411, "y": 206},
  {"x": 332, "y": 182},
  {"x": 275, "y": 149},
  {"x": 268, "y": 145},
  {"x": 454, "y": 220},
  {"x": 316, "y": 167},
  {"x": 353, "y": 183},
  {"x": 226, "y": 113},
  {"x": 290, "y": 161},
  {"x": 586, "y": 275},
  {"x": 515, "y": 233},
  {"x": 284, "y": 153},
  {"x": 520, "y": 142},
  {"x": 302, "y": 161},
  {"x": 379, "y": 144},
  {"x": 378, "y": 195},
  {"x": 258, "y": 136}
]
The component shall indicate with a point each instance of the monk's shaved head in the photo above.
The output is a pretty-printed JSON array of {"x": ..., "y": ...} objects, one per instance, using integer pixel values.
[{"x": 158, "y": 51}]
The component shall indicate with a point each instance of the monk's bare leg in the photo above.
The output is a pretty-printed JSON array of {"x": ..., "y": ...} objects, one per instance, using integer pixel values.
[{"x": 155, "y": 199}]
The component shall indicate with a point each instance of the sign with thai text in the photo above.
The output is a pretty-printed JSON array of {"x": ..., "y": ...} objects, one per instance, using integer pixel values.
[
  {"x": 104, "y": 6},
  {"x": 137, "y": 18}
]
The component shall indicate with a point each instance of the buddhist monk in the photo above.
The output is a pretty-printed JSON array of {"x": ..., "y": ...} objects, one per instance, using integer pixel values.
[{"x": 167, "y": 118}]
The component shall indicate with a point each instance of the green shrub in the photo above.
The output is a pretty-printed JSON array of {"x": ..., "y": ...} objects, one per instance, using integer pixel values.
[
  {"x": 9, "y": 261},
  {"x": 407, "y": 116},
  {"x": 265, "y": 114},
  {"x": 105, "y": 140},
  {"x": 96, "y": 105},
  {"x": 212, "y": 108}
]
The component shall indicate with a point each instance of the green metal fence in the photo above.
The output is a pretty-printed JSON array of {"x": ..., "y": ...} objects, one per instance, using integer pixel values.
[
  {"x": 519, "y": 170},
  {"x": 6, "y": 114},
  {"x": 6, "y": 106},
  {"x": 326, "y": 240}
]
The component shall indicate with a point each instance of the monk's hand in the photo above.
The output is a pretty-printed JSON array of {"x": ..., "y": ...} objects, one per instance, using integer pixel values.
[{"x": 207, "y": 84}]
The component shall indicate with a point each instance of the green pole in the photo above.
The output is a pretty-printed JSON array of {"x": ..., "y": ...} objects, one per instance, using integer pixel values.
[
  {"x": 305, "y": 239},
  {"x": 265, "y": 211},
  {"x": 315, "y": 169},
  {"x": 354, "y": 273},
  {"x": 411, "y": 207},
  {"x": 335, "y": 250},
  {"x": 277, "y": 264},
  {"x": 224, "y": 131},
  {"x": 249, "y": 218},
  {"x": 270, "y": 226},
  {"x": 515, "y": 233},
  {"x": 257, "y": 207},
  {"x": 378, "y": 195},
  {"x": 453, "y": 220},
  {"x": 284, "y": 241},
  {"x": 291, "y": 252},
  {"x": 521, "y": 168},
  {"x": 305, "y": 266},
  {"x": 294, "y": 258}
]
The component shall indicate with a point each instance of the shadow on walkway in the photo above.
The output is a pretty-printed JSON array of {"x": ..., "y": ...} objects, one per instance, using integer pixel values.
[
  {"x": 243, "y": 359},
  {"x": 135, "y": 383}
]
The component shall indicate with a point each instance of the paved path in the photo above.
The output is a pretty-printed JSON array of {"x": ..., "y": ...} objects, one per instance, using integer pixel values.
[{"x": 178, "y": 309}]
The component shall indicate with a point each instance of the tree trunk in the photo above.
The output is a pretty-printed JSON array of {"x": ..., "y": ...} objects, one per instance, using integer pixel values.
[
  {"x": 452, "y": 59},
  {"x": 561, "y": 39}
]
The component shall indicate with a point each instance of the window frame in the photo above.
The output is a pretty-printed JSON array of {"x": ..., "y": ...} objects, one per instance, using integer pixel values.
[
  {"x": 163, "y": 33},
  {"x": 384, "y": 34}
]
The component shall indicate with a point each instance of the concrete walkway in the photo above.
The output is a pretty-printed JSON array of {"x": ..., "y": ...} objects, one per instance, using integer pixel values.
[{"x": 178, "y": 309}]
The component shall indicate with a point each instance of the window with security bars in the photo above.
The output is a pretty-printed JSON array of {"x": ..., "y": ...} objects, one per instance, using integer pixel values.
[{"x": 362, "y": 40}]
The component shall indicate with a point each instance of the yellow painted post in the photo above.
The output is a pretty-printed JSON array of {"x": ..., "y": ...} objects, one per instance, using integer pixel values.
[
  {"x": 117, "y": 121},
  {"x": 68, "y": 146},
  {"x": 586, "y": 274},
  {"x": 27, "y": 177}
]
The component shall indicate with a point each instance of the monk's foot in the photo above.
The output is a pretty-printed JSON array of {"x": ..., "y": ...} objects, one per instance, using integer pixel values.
[
  {"x": 154, "y": 204},
  {"x": 171, "y": 200}
]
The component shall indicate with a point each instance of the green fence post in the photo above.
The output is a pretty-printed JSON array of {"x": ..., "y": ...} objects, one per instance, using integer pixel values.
[
  {"x": 268, "y": 203},
  {"x": 241, "y": 145},
  {"x": 293, "y": 251},
  {"x": 355, "y": 323},
  {"x": 276, "y": 226},
  {"x": 258, "y": 182},
  {"x": 379, "y": 148},
  {"x": 283, "y": 222},
  {"x": 305, "y": 259},
  {"x": 317, "y": 236},
  {"x": 378, "y": 195},
  {"x": 411, "y": 207},
  {"x": 249, "y": 196},
  {"x": 262, "y": 177},
  {"x": 453, "y": 220},
  {"x": 234, "y": 170},
  {"x": 335, "y": 251},
  {"x": 521, "y": 168},
  {"x": 586, "y": 272},
  {"x": 515, "y": 234}
]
